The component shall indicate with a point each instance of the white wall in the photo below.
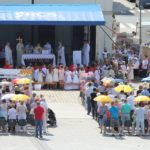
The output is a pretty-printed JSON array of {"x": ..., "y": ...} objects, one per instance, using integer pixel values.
[{"x": 15, "y": 1}]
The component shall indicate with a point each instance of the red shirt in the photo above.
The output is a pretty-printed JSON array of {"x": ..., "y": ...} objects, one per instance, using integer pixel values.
[{"x": 38, "y": 113}]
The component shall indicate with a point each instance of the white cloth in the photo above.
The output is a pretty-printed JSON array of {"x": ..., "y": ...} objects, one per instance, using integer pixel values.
[
  {"x": 86, "y": 51},
  {"x": 61, "y": 56},
  {"x": 75, "y": 78},
  {"x": 8, "y": 55},
  {"x": 38, "y": 56},
  {"x": 12, "y": 113},
  {"x": 20, "y": 51}
]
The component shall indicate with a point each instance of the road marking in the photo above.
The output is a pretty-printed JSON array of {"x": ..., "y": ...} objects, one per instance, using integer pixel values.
[
  {"x": 142, "y": 11},
  {"x": 131, "y": 25},
  {"x": 132, "y": 11},
  {"x": 122, "y": 26}
]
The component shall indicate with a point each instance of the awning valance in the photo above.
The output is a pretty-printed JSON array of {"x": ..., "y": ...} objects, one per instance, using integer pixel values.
[{"x": 52, "y": 14}]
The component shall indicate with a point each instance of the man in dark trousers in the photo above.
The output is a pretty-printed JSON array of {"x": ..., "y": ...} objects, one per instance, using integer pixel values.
[
  {"x": 94, "y": 103},
  {"x": 38, "y": 114}
]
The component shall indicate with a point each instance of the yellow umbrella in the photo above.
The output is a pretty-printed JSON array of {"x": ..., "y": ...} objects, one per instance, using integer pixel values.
[
  {"x": 20, "y": 97},
  {"x": 24, "y": 81},
  {"x": 142, "y": 98},
  {"x": 124, "y": 88},
  {"x": 102, "y": 98}
]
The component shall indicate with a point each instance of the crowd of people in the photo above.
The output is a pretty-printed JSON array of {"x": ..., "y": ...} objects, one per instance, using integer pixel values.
[
  {"x": 15, "y": 115},
  {"x": 122, "y": 112}
]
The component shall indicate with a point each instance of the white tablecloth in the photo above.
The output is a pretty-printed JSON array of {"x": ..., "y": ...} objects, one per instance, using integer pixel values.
[{"x": 38, "y": 56}]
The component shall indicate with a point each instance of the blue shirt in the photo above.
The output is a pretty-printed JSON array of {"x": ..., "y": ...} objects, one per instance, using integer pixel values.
[{"x": 114, "y": 112}]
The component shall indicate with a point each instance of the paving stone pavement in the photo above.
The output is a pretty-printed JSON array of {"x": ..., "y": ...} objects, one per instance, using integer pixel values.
[{"x": 75, "y": 130}]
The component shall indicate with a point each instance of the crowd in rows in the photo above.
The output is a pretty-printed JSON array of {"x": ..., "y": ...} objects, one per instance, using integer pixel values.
[{"x": 121, "y": 112}]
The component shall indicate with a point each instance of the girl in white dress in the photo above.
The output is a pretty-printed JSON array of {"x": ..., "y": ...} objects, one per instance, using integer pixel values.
[
  {"x": 40, "y": 76},
  {"x": 75, "y": 79},
  {"x": 55, "y": 77},
  {"x": 130, "y": 72},
  {"x": 68, "y": 79},
  {"x": 49, "y": 76},
  {"x": 97, "y": 75}
]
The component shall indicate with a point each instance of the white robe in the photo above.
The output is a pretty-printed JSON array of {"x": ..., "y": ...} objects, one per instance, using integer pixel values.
[
  {"x": 48, "y": 47},
  {"x": 86, "y": 51},
  {"x": 20, "y": 51},
  {"x": 8, "y": 55},
  {"x": 61, "y": 56}
]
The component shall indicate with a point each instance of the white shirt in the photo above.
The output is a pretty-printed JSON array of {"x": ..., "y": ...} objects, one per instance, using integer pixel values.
[
  {"x": 145, "y": 64},
  {"x": 21, "y": 112},
  {"x": 12, "y": 113},
  {"x": 140, "y": 113},
  {"x": 130, "y": 100},
  {"x": 89, "y": 90}
]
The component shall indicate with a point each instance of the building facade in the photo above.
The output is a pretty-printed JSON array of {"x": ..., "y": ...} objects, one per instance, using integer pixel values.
[{"x": 74, "y": 35}]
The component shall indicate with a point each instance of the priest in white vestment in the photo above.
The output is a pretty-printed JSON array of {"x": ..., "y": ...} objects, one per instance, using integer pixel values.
[
  {"x": 20, "y": 51},
  {"x": 48, "y": 47},
  {"x": 8, "y": 54},
  {"x": 61, "y": 55},
  {"x": 85, "y": 52}
]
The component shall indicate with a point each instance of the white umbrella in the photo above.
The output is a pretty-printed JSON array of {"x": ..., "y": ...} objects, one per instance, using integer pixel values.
[
  {"x": 5, "y": 83},
  {"x": 7, "y": 96}
]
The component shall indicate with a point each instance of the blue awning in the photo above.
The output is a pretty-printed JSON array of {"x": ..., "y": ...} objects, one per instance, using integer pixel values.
[{"x": 52, "y": 14}]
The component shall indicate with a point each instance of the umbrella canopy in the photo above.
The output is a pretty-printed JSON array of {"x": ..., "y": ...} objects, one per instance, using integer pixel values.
[
  {"x": 102, "y": 98},
  {"x": 142, "y": 99},
  {"x": 108, "y": 81},
  {"x": 20, "y": 97},
  {"x": 7, "y": 96},
  {"x": 5, "y": 83},
  {"x": 14, "y": 81},
  {"x": 124, "y": 88},
  {"x": 24, "y": 81},
  {"x": 146, "y": 79}
]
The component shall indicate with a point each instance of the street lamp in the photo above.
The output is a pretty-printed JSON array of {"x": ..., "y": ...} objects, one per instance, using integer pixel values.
[{"x": 140, "y": 34}]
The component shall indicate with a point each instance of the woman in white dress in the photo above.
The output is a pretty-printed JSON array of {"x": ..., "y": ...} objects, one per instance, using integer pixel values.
[
  {"x": 68, "y": 79},
  {"x": 97, "y": 75},
  {"x": 75, "y": 79},
  {"x": 40, "y": 76},
  {"x": 49, "y": 77},
  {"x": 55, "y": 77},
  {"x": 130, "y": 72}
]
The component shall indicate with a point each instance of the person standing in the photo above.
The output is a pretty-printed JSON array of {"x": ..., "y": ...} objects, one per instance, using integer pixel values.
[
  {"x": 38, "y": 115},
  {"x": 144, "y": 67},
  {"x": 20, "y": 51},
  {"x": 61, "y": 54},
  {"x": 139, "y": 118},
  {"x": 8, "y": 54},
  {"x": 85, "y": 52}
]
